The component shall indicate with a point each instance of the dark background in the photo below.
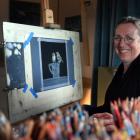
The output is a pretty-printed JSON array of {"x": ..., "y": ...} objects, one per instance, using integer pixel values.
[{"x": 25, "y": 12}]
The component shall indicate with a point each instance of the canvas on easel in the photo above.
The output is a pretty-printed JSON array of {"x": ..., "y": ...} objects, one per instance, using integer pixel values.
[{"x": 43, "y": 69}]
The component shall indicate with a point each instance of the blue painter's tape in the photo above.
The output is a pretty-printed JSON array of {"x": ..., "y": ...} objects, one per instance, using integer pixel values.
[
  {"x": 28, "y": 40},
  {"x": 25, "y": 88},
  {"x": 71, "y": 77},
  {"x": 70, "y": 42},
  {"x": 33, "y": 92},
  {"x": 73, "y": 83}
]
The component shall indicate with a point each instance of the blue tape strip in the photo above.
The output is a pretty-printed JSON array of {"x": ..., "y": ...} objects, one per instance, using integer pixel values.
[
  {"x": 33, "y": 92},
  {"x": 25, "y": 88},
  {"x": 73, "y": 83},
  {"x": 28, "y": 40},
  {"x": 70, "y": 42}
]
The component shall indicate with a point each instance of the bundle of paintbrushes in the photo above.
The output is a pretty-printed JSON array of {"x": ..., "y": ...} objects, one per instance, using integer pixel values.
[
  {"x": 73, "y": 124},
  {"x": 127, "y": 116}
]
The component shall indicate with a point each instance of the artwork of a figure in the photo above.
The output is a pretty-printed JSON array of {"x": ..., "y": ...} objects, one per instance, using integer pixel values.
[
  {"x": 53, "y": 57},
  {"x": 15, "y": 65},
  {"x": 59, "y": 58},
  {"x": 54, "y": 67}
]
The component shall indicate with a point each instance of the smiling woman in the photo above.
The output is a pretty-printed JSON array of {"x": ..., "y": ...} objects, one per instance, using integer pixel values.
[
  {"x": 126, "y": 82},
  {"x": 127, "y": 42}
]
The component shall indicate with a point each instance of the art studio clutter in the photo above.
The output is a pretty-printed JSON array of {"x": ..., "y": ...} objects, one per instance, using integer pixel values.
[{"x": 75, "y": 124}]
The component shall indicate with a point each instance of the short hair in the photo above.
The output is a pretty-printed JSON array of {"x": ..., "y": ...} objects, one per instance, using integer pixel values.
[{"x": 129, "y": 19}]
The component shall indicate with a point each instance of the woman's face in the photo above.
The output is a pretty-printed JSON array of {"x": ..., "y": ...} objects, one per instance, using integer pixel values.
[{"x": 127, "y": 42}]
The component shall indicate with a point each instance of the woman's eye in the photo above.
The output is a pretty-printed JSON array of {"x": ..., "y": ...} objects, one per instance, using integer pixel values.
[
  {"x": 117, "y": 38},
  {"x": 128, "y": 38}
]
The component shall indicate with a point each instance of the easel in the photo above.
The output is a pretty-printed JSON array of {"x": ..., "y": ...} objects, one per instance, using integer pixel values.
[{"x": 47, "y": 15}]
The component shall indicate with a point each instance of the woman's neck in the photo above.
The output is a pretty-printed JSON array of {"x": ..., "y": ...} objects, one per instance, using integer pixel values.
[{"x": 126, "y": 65}]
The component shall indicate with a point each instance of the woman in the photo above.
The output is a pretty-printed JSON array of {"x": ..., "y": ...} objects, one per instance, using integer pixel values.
[{"x": 126, "y": 82}]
